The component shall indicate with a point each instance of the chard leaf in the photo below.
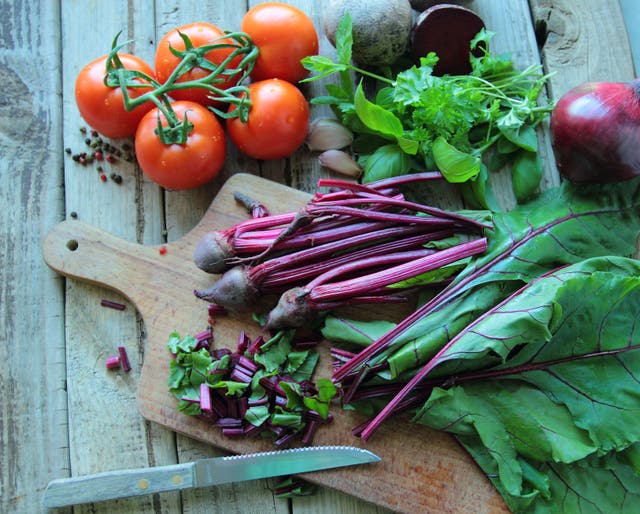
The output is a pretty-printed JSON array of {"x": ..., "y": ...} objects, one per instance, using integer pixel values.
[
  {"x": 563, "y": 225},
  {"x": 232, "y": 387},
  {"x": 361, "y": 333},
  {"x": 565, "y": 384},
  {"x": 274, "y": 352},
  {"x": 257, "y": 414},
  {"x": 304, "y": 370}
]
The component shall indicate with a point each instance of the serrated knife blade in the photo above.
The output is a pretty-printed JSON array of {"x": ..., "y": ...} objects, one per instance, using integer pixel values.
[{"x": 201, "y": 473}]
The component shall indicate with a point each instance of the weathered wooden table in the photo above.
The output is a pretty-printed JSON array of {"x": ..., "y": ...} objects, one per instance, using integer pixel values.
[{"x": 61, "y": 412}]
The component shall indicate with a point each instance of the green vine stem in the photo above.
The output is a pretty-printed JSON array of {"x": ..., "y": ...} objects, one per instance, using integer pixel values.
[{"x": 178, "y": 130}]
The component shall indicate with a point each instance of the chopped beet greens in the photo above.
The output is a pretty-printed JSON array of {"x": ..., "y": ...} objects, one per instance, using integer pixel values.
[{"x": 256, "y": 389}]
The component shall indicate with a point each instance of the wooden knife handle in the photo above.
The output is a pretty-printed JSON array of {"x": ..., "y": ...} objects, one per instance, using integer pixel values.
[{"x": 118, "y": 484}]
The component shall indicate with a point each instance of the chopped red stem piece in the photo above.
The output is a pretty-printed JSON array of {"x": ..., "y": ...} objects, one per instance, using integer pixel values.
[
  {"x": 285, "y": 439},
  {"x": 113, "y": 362},
  {"x": 309, "y": 431},
  {"x": 205, "y": 398},
  {"x": 233, "y": 432},
  {"x": 124, "y": 359},
  {"x": 112, "y": 305}
]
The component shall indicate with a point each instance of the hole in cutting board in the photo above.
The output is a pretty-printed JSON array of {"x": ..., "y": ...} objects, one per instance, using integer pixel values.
[{"x": 72, "y": 245}]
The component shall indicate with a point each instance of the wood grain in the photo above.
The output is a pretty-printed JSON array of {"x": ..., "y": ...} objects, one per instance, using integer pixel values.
[{"x": 438, "y": 477}]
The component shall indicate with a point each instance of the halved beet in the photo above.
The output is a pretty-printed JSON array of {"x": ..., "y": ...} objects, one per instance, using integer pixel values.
[{"x": 447, "y": 30}]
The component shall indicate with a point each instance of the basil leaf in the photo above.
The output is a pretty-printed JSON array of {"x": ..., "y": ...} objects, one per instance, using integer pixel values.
[
  {"x": 387, "y": 161},
  {"x": 526, "y": 173},
  {"x": 456, "y": 166},
  {"x": 377, "y": 118}
]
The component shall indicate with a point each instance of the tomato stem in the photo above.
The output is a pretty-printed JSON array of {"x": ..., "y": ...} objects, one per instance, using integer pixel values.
[{"x": 178, "y": 130}]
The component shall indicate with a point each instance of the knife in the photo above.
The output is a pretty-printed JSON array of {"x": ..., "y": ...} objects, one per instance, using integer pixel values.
[{"x": 201, "y": 473}]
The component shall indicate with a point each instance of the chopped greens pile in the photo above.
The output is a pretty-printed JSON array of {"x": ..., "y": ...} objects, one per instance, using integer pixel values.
[
  {"x": 263, "y": 387},
  {"x": 463, "y": 125}
]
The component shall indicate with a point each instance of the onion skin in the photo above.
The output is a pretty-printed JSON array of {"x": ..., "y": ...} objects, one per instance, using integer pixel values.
[{"x": 595, "y": 130}]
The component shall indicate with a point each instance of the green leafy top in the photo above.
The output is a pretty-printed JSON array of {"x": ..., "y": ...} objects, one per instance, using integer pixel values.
[{"x": 452, "y": 122}]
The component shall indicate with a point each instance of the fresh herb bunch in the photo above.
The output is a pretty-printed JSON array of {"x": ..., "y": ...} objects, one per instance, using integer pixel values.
[{"x": 465, "y": 125}]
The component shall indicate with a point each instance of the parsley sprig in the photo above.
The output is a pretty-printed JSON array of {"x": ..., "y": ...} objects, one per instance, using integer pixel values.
[{"x": 463, "y": 125}]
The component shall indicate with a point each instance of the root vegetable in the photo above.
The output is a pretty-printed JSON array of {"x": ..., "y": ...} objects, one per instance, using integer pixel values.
[
  {"x": 595, "y": 130},
  {"x": 447, "y": 30},
  {"x": 381, "y": 28}
]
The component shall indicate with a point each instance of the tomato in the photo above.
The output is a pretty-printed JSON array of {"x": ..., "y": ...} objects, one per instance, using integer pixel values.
[
  {"x": 278, "y": 121},
  {"x": 200, "y": 34},
  {"x": 284, "y": 35},
  {"x": 182, "y": 166},
  {"x": 101, "y": 106}
]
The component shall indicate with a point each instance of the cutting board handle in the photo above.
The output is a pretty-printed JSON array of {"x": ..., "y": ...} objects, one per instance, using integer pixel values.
[{"x": 78, "y": 250}]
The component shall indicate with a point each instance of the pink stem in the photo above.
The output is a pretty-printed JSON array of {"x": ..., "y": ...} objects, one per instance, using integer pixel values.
[
  {"x": 319, "y": 210},
  {"x": 360, "y": 285},
  {"x": 280, "y": 278},
  {"x": 259, "y": 273}
]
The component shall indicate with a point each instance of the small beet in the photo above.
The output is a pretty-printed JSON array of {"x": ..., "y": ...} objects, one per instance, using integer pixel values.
[
  {"x": 292, "y": 310},
  {"x": 211, "y": 253},
  {"x": 447, "y": 30},
  {"x": 233, "y": 290}
]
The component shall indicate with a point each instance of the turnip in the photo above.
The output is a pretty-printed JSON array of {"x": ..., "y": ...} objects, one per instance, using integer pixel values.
[
  {"x": 595, "y": 130},
  {"x": 381, "y": 28}
]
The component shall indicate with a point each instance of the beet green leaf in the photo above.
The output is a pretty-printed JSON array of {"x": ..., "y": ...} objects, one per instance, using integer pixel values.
[{"x": 563, "y": 392}]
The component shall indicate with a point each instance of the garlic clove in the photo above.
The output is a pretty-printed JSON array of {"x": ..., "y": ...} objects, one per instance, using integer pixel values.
[
  {"x": 340, "y": 162},
  {"x": 328, "y": 134}
]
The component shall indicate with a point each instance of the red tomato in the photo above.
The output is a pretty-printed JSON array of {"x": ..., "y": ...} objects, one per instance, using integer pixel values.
[
  {"x": 278, "y": 121},
  {"x": 284, "y": 35},
  {"x": 101, "y": 106},
  {"x": 182, "y": 166},
  {"x": 200, "y": 34}
]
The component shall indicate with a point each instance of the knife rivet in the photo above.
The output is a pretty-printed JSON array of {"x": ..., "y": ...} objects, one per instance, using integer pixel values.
[
  {"x": 143, "y": 483},
  {"x": 176, "y": 479}
]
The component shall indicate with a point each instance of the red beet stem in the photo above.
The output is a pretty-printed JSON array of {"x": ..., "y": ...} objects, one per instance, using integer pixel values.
[
  {"x": 113, "y": 362},
  {"x": 277, "y": 279},
  {"x": 327, "y": 210},
  {"x": 360, "y": 285},
  {"x": 124, "y": 359},
  {"x": 383, "y": 183},
  {"x": 258, "y": 274}
]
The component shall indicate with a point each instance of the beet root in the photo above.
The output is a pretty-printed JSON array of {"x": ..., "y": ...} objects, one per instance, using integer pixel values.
[
  {"x": 447, "y": 30},
  {"x": 233, "y": 291},
  {"x": 211, "y": 253},
  {"x": 292, "y": 311}
]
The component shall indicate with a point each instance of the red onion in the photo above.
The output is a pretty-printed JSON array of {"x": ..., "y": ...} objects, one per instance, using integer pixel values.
[{"x": 595, "y": 130}]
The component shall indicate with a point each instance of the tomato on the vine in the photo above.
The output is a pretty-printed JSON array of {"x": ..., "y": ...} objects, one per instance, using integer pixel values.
[
  {"x": 278, "y": 121},
  {"x": 102, "y": 106},
  {"x": 284, "y": 35},
  {"x": 200, "y": 34},
  {"x": 182, "y": 166}
]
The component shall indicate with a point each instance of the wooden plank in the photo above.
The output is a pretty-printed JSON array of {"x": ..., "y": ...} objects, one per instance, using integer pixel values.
[
  {"x": 106, "y": 430},
  {"x": 33, "y": 417},
  {"x": 582, "y": 42}
]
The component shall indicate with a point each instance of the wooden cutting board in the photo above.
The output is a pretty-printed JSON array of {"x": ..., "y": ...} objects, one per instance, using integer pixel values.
[{"x": 421, "y": 470}]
